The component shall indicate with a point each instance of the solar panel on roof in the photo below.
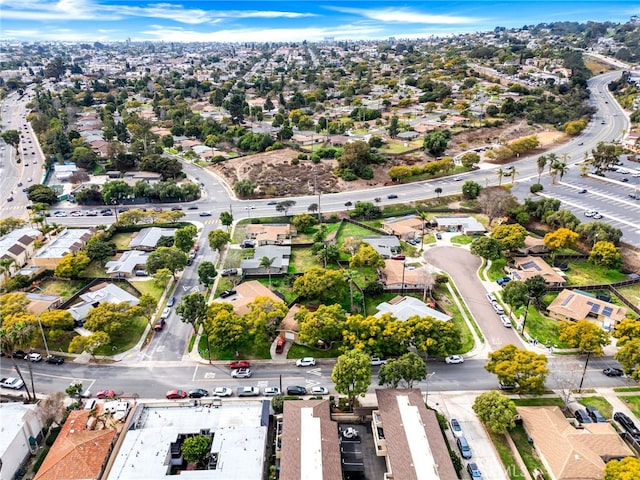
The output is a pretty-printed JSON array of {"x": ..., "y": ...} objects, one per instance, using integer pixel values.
[
  {"x": 594, "y": 307},
  {"x": 606, "y": 311},
  {"x": 567, "y": 300}
]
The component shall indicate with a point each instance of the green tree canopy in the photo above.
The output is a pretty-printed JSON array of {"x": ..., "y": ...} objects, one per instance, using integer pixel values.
[
  {"x": 366, "y": 256},
  {"x": 605, "y": 254},
  {"x": 321, "y": 327},
  {"x": 171, "y": 258},
  {"x": 515, "y": 294},
  {"x": 207, "y": 273},
  {"x": 487, "y": 248},
  {"x": 511, "y": 237},
  {"x": 195, "y": 449},
  {"x": 407, "y": 369},
  {"x": 218, "y": 239},
  {"x": 184, "y": 238},
  {"x": 352, "y": 374},
  {"x": 528, "y": 370},
  {"x": 192, "y": 308},
  {"x": 497, "y": 411},
  {"x": 321, "y": 284},
  {"x": 585, "y": 336},
  {"x": 225, "y": 329},
  {"x": 42, "y": 194},
  {"x": 72, "y": 265}
]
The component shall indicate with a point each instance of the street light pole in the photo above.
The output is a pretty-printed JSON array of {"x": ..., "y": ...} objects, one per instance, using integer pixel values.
[
  {"x": 44, "y": 339},
  {"x": 584, "y": 372},
  {"x": 526, "y": 312}
]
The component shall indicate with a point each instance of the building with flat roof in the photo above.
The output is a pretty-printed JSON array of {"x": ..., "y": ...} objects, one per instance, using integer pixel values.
[
  {"x": 409, "y": 437},
  {"x": 21, "y": 434},
  {"x": 151, "y": 446},
  {"x": 309, "y": 439},
  {"x": 68, "y": 241}
]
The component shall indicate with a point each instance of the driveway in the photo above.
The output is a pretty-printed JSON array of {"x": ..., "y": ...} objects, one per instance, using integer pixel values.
[{"x": 462, "y": 267}]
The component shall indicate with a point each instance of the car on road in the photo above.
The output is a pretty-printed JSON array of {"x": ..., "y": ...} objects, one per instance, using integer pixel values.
[
  {"x": 11, "y": 382},
  {"x": 228, "y": 293},
  {"x": 272, "y": 202},
  {"x": 580, "y": 144},
  {"x": 248, "y": 391},
  {"x": 456, "y": 429},
  {"x": 582, "y": 190},
  {"x": 590, "y": 213},
  {"x": 392, "y": 196},
  {"x": 439, "y": 236},
  {"x": 453, "y": 359},
  {"x": 34, "y": 357},
  {"x": 505, "y": 321},
  {"x": 59, "y": 213},
  {"x": 306, "y": 362},
  {"x": 319, "y": 391},
  {"x": 174, "y": 394},
  {"x": 107, "y": 213},
  {"x": 463, "y": 446},
  {"x": 377, "y": 361},
  {"x": 159, "y": 324},
  {"x": 222, "y": 392},
  {"x": 498, "y": 308},
  {"x": 457, "y": 179},
  {"x": 198, "y": 393},
  {"x": 55, "y": 359},
  {"x": 171, "y": 301},
  {"x": 192, "y": 207},
  {"x": 91, "y": 213},
  {"x": 597, "y": 216},
  {"x": 227, "y": 272},
  {"x": 165, "y": 313},
  {"x": 474, "y": 471},
  {"x": 241, "y": 373},
  {"x": 595, "y": 414},
  {"x": 76, "y": 213},
  {"x": 271, "y": 391},
  {"x": 19, "y": 354},
  {"x": 106, "y": 394},
  {"x": 205, "y": 214},
  {"x": 612, "y": 372},
  {"x": 239, "y": 364},
  {"x": 398, "y": 256},
  {"x": 296, "y": 390}
]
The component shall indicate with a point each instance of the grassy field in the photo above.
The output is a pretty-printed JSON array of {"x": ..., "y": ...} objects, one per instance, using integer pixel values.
[
  {"x": 126, "y": 338},
  {"x": 282, "y": 286},
  {"x": 633, "y": 402},
  {"x": 148, "y": 287},
  {"x": 64, "y": 288},
  {"x": 539, "y": 402},
  {"x": 462, "y": 240},
  {"x": 247, "y": 351},
  {"x": 527, "y": 452},
  {"x": 582, "y": 272},
  {"x": 626, "y": 389},
  {"x": 631, "y": 292},
  {"x": 466, "y": 337},
  {"x": 506, "y": 456},
  {"x": 350, "y": 230},
  {"x": 232, "y": 260},
  {"x": 122, "y": 240},
  {"x": 496, "y": 270},
  {"x": 302, "y": 259},
  {"x": 95, "y": 269},
  {"x": 600, "y": 403}
]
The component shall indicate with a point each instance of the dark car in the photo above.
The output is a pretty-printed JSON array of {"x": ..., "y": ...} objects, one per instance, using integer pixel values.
[
  {"x": 192, "y": 207},
  {"x": 159, "y": 325},
  {"x": 583, "y": 190},
  {"x": 581, "y": 416},
  {"x": 19, "y": 354},
  {"x": 595, "y": 415},
  {"x": 439, "y": 236},
  {"x": 612, "y": 372},
  {"x": 474, "y": 471},
  {"x": 198, "y": 393},
  {"x": 626, "y": 423},
  {"x": 272, "y": 202},
  {"x": 228, "y": 293},
  {"x": 56, "y": 360},
  {"x": 171, "y": 301},
  {"x": 296, "y": 390},
  {"x": 392, "y": 196}
]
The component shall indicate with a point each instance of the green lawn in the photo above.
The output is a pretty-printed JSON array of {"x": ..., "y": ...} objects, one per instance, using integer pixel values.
[
  {"x": 543, "y": 328},
  {"x": 280, "y": 284},
  {"x": 350, "y": 230},
  {"x": 626, "y": 389},
  {"x": 582, "y": 272},
  {"x": 600, "y": 403},
  {"x": 233, "y": 257},
  {"x": 496, "y": 270},
  {"x": 631, "y": 292},
  {"x": 238, "y": 233},
  {"x": 299, "y": 351},
  {"x": 527, "y": 452},
  {"x": 372, "y": 302},
  {"x": 64, "y": 288},
  {"x": 126, "y": 338},
  {"x": 462, "y": 240},
  {"x": 443, "y": 296},
  {"x": 148, "y": 287},
  {"x": 506, "y": 456},
  {"x": 122, "y": 240},
  {"x": 633, "y": 402},
  {"x": 539, "y": 402},
  {"x": 95, "y": 269},
  {"x": 302, "y": 259},
  {"x": 247, "y": 351}
]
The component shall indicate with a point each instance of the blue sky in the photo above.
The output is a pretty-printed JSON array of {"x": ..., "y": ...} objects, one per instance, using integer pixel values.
[{"x": 278, "y": 21}]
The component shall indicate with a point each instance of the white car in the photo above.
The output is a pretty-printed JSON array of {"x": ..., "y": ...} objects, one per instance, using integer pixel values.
[
  {"x": 165, "y": 313},
  {"x": 319, "y": 391},
  {"x": 34, "y": 357},
  {"x": 452, "y": 359},
  {"x": 590, "y": 213},
  {"x": 377, "y": 361},
  {"x": 222, "y": 392},
  {"x": 498, "y": 308},
  {"x": 241, "y": 373},
  {"x": 306, "y": 362},
  {"x": 505, "y": 321},
  {"x": 76, "y": 213},
  {"x": 11, "y": 382},
  {"x": 271, "y": 391},
  {"x": 60, "y": 214}
]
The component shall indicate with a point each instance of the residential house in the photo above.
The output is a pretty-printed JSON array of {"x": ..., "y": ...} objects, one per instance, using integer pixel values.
[
  {"x": 395, "y": 274},
  {"x": 147, "y": 238},
  {"x": 574, "y": 305},
  {"x": 63, "y": 172},
  {"x": 246, "y": 293},
  {"x": 280, "y": 254},
  {"x": 404, "y": 308},
  {"x": 19, "y": 246},
  {"x": 463, "y": 224},
  {"x": 41, "y": 302},
  {"x": 127, "y": 263},
  {"x": 21, "y": 435},
  {"x": 385, "y": 245},
  {"x": 404, "y": 228},
  {"x": 270, "y": 234},
  {"x": 308, "y": 446},
  {"x": 571, "y": 453},
  {"x": 408, "y": 435},
  {"x": 289, "y": 327},
  {"x": 533, "y": 245},
  {"x": 527, "y": 267},
  {"x": 104, "y": 292},
  {"x": 68, "y": 241},
  {"x": 150, "y": 178},
  {"x": 82, "y": 448}
]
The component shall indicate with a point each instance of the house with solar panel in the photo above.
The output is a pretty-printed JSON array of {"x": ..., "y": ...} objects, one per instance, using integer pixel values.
[
  {"x": 529, "y": 266},
  {"x": 574, "y": 305}
]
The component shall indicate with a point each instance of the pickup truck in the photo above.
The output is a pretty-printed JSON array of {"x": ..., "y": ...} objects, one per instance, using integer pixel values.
[
  {"x": 11, "y": 382},
  {"x": 377, "y": 361},
  {"x": 248, "y": 391}
]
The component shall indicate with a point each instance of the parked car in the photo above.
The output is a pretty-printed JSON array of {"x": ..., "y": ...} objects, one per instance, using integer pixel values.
[
  {"x": 175, "y": 394},
  {"x": 239, "y": 364},
  {"x": 377, "y": 361},
  {"x": 626, "y": 423},
  {"x": 159, "y": 325},
  {"x": 590, "y": 213},
  {"x": 505, "y": 321},
  {"x": 228, "y": 293},
  {"x": 165, "y": 313},
  {"x": 463, "y": 446},
  {"x": 398, "y": 256},
  {"x": 456, "y": 429},
  {"x": 439, "y": 236},
  {"x": 271, "y": 391},
  {"x": 171, "y": 301},
  {"x": 241, "y": 373},
  {"x": 319, "y": 391},
  {"x": 227, "y": 272},
  {"x": 76, "y": 213},
  {"x": 392, "y": 196},
  {"x": 582, "y": 416},
  {"x": 306, "y": 362},
  {"x": 34, "y": 357},
  {"x": 55, "y": 359},
  {"x": 612, "y": 372},
  {"x": 11, "y": 382},
  {"x": 453, "y": 359},
  {"x": 474, "y": 471},
  {"x": 198, "y": 393},
  {"x": 582, "y": 190},
  {"x": 272, "y": 202},
  {"x": 192, "y": 207},
  {"x": 19, "y": 354},
  {"x": 296, "y": 390},
  {"x": 222, "y": 392},
  {"x": 205, "y": 214},
  {"x": 491, "y": 297},
  {"x": 248, "y": 391},
  {"x": 503, "y": 281},
  {"x": 498, "y": 308},
  {"x": 595, "y": 414},
  {"x": 106, "y": 394}
]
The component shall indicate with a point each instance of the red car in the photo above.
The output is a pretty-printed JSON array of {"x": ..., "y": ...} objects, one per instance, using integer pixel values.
[
  {"x": 239, "y": 364},
  {"x": 106, "y": 394},
  {"x": 173, "y": 394}
]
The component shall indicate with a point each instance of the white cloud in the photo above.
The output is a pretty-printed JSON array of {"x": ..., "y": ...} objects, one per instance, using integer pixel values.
[
  {"x": 61, "y": 10},
  {"x": 405, "y": 15}
]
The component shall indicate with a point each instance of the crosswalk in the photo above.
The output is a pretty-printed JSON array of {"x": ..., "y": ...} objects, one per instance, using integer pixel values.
[{"x": 212, "y": 222}]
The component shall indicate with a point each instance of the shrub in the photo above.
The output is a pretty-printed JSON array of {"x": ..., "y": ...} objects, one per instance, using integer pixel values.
[
  {"x": 536, "y": 187},
  {"x": 303, "y": 156},
  {"x": 41, "y": 458},
  {"x": 295, "y": 161}
]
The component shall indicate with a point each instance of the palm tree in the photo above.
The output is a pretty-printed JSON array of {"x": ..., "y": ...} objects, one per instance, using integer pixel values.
[
  {"x": 18, "y": 334},
  {"x": 513, "y": 174},
  {"x": 500, "y": 173},
  {"x": 542, "y": 162},
  {"x": 558, "y": 168},
  {"x": 5, "y": 270},
  {"x": 266, "y": 262},
  {"x": 551, "y": 159},
  {"x": 423, "y": 216}
]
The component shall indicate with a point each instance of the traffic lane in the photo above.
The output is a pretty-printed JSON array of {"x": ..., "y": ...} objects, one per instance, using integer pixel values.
[{"x": 462, "y": 266}]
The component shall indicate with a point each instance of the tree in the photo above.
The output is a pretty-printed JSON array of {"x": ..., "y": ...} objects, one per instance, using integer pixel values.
[
  {"x": 469, "y": 159},
  {"x": 244, "y": 188},
  {"x": 161, "y": 277},
  {"x": 382, "y": 336},
  {"x": 218, "y": 239},
  {"x": 536, "y": 288},
  {"x": 109, "y": 317},
  {"x": 515, "y": 294},
  {"x": 56, "y": 319},
  {"x": 487, "y": 248},
  {"x": 304, "y": 222},
  {"x": 495, "y": 202},
  {"x": 10, "y": 224},
  {"x": 263, "y": 318},
  {"x": 99, "y": 249},
  {"x": 562, "y": 219},
  {"x": 192, "y": 308},
  {"x": 366, "y": 210},
  {"x": 11, "y": 137},
  {"x": 433, "y": 337},
  {"x": 352, "y": 374},
  {"x": 42, "y": 194},
  {"x": 284, "y": 206},
  {"x": 435, "y": 142},
  {"x": 409, "y": 368},
  {"x": 626, "y": 469},
  {"x": 366, "y": 256},
  {"x": 207, "y": 273},
  {"x": 471, "y": 190},
  {"x": 393, "y": 127},
  {"x": 496, "y": 411},
  {"x": 89, "y": 343},
  {"x": 321, "y": 284},
  {"x": 355, "y": 156},
  {"x": 147, "y": 306},
  {"x": 321, "y": 327},
  {"x": 72, "y": 265},
  {"x": 195, "y": 449},
  {"x": 225, "y": 330},
  {"x": 226, "y": 219},
  {"x": 558, "y": 168},
  {"x": 266, "y": 262},
  {"x": 511, "y": 237},
  {"x": 584, "y": 335},
  {"x": 628, "y": 355},
  {"x": 527, "y": 370},
  {"x": 606, "y": 255},
  {"x": 184, "y": 238},
  {"x": 592, "y": 232},
  {"x": 561, "y": 238},
  {"x": 438, "y": 191},
  {"x": 171, "y": 258}
]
